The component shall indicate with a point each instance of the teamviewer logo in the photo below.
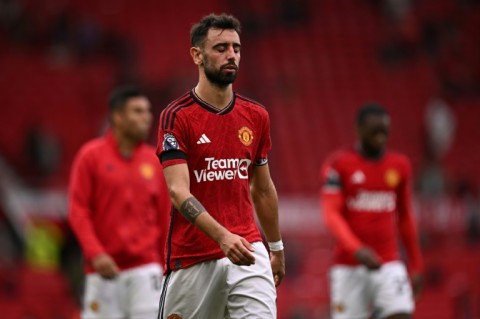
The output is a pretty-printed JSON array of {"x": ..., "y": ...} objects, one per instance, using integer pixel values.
[
  {"x": 243, "y": 168},
  {"x": 223, "y": 169}
]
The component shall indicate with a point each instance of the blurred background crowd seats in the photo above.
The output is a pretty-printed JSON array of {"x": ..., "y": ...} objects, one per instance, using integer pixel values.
[{"x": 312, "y": 63}]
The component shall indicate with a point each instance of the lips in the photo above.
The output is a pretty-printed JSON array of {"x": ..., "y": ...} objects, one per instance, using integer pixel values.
[{"x": 230, "y": 67}]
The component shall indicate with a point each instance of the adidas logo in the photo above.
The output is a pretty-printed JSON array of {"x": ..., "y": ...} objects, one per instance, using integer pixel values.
[
  {"x": 203, "y": 140},
  {"x": 358, "y": 177}
]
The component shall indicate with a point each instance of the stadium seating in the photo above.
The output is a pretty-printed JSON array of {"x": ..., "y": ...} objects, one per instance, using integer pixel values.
[
  {"x": 311, "y": 76},
  {"x": 39, "y": 294}
]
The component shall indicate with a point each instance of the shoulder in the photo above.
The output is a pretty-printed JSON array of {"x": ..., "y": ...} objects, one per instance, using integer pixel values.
[
  {"x": 398, "y": 158},
  {"x": 340, "y": 156},
  {"x": 89, "y": 152},
  {"x": 251, "y": 105},
  {"x": 176, "y": 107},
  {"x": 334, "y": 164},
  {"x": 401, "y": 162},
  {"x": 182, "y": 101},
  {"x": 331, "y": 171},
  {"x": 91, "y": 147}
]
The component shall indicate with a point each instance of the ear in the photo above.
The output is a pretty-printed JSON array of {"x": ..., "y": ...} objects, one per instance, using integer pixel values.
[
  {"x": 115, "y": 118},
  {"x": 197, "y": 56}
]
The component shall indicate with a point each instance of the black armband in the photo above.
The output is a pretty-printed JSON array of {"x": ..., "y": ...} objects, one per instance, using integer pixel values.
[
  {"x": 172, "y": 155},
  {"x": 191, "y": 208}
]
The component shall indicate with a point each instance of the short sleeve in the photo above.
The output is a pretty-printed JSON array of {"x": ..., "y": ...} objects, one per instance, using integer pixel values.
[
  {"x": 261, "y": 158},
  {"x": 330, "y": 178},
  {"x": 172, "y": 145}
]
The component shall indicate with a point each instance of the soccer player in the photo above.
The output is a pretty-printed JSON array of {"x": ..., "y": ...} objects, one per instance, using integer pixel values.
[
  {"x": 366, "y": 201},
  {"x": 119, "y": 208},
  {"x": 213, "y": 144}
]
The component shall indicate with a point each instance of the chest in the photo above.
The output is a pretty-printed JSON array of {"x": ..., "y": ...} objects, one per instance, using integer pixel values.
[
  {"x": 114, "y": 173},
  {"x": 371, "y": 177},
  {"x": 223, "y": 137}
]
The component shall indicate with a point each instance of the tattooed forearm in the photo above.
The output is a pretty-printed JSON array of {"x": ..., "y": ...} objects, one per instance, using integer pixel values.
[{"x": 191, "y": 208}]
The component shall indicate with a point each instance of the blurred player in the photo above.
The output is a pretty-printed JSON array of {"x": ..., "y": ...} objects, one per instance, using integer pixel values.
[
  {"x": 119, "y": 207},
  {"x": 366, "y": 201},
  {"x": 213, "y": 144}
]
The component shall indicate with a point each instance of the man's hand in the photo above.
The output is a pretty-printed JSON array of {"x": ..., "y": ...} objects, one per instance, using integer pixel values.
[
  {"x": 105, "y": 266},
  {"x": 368, "y": 257},
  {"x": 277, "y": 260},
  {"x": 237, "y": 249},
  {"x": 417, "y": 285}
]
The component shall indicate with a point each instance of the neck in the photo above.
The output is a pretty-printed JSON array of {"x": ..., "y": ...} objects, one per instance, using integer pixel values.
[
  {"x": 125, "y": 144},
  {"x": 369, "y": 153},
  {"x": 217, "y": 96}
]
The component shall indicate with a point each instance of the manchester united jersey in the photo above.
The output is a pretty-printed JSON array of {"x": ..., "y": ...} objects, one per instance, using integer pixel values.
[
  {"x": 220, "y": 148},
  {"x": 373, "y": 195}
]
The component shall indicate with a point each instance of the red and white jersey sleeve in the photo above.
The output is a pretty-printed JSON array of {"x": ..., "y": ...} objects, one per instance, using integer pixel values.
[{"x": 173, "y": 140}]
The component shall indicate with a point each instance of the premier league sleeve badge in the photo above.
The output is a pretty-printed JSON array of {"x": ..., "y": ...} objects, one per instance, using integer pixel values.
[{"x": 169, "y": 142}]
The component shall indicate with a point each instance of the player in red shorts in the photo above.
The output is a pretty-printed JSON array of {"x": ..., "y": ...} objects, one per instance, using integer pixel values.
[
  {"x": 213, "y": 144},
  {"x": 366, "y": 201},
  {"x": 119, "y": 208}
]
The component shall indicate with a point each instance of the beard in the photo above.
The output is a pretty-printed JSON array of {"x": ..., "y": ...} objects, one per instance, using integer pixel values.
[
  {"x": 219, "y": 77},
  {"x": 136, "y": 133}
]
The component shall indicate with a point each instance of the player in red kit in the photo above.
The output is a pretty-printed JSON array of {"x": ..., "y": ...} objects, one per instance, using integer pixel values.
[
  {"x": 213, "y": 144},
  {"x": 366, "y": 201},
  {"x": 119, "y": 208}
]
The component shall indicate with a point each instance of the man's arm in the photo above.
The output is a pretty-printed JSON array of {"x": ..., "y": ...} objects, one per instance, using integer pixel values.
[
  {"x": 332, "y": 201},
  {"x": 264, "y": 196},
  {"x": 235, "y": 248},
  {"x": 79, "y": 217},
  {"x": 331, "y": 204},
  {"x": 164, "y": 208}
]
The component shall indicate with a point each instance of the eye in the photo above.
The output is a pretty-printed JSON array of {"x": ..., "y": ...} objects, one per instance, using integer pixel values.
[{"x": 221, "y": 48}]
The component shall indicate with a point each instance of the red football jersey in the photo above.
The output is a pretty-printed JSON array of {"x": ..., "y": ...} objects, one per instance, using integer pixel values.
[
  {"x": 373, "y": 197},
  {"x": 220, "y": 149},
  {"x": 119, "y": 206}
]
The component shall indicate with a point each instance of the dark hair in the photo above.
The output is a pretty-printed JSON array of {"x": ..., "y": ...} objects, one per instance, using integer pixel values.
[
  {"x": 368, "y": 109},
  {"x": 120, "y": 96},
  {"x": 199, "y": 31}
]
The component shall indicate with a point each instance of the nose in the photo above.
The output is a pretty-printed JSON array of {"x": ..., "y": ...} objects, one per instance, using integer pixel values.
[
  {"x": 380, "y": 139},
  {"x": 231, "y": 55}
]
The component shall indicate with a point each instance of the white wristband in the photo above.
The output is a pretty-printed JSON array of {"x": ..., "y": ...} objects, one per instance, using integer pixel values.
[{"x": 276, "y": 246}]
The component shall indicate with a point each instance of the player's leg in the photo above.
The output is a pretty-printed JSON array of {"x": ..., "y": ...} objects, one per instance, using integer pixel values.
[
  {"x": 198, "y": 291},
  {"x": 350, "y": 293},
  {"x": 103, "y": 298},
  {"x": 144, "y": 285},
  {"x": 252, "y": 291},
  {"x": 392, "y": 292}
]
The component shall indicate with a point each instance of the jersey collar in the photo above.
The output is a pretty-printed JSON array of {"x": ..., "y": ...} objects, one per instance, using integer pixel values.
[
  {"x": 363, "y": 154},
  {"x": 207, "y": 106}
]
